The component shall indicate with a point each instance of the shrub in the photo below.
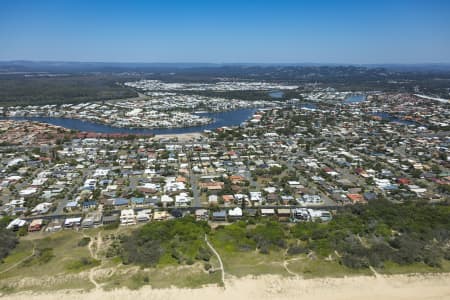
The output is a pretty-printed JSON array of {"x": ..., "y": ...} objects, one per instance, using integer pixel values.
[
  {"x": 207, "y": 266},
  {"x": 111, "y": 226},
  {"x": 82, "y": 264},
  {"x": 271, "y": 233},
  {"x": 354, "y": 262},
  {"x": 294, "y": 250},
  {"x": 182, "y": 238},
  {"x": 44, "y": 255},
  {"x": 84, "y": 242},
  {"x": 203, "y": 254},
  {"x": 8, "y": 242}
]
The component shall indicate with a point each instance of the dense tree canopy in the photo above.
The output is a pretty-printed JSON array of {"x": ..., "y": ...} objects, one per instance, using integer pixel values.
[
  {"x": 8, "y": 239},
  {"x": 19, "y": 90},
  {"x": 180, "y": 240}
]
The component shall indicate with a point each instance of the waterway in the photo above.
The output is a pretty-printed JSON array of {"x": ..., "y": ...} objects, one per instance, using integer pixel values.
[
  {"x": 388, "y": 117},
  {"x": 220, "y": 119},
  {"x": 355, "y": 99},
  {"x": 276, "y": 94}
]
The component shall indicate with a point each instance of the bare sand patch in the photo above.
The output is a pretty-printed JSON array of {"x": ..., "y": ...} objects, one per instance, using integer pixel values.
[
  {"x": 180, "y": 136},
  {"x": 399, "y": 287}
]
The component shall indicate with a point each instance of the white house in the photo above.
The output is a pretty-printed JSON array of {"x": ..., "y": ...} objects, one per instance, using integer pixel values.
[{"x": 127, "y": 217}]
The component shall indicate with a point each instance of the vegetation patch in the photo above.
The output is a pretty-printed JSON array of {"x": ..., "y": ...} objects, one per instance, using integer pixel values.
[
  {"x": 8, "y": 239},
  {"x": 84, "y": 241},
  {"x": 20, "y": 90},
  {"x": 390, "y": 238},
  {"x": 358, "y": 237},
  {"x": 82, "y": 264},
  {"x": 180, "y": 241}
]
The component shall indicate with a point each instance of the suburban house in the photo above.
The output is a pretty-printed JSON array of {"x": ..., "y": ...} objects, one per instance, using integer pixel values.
[
  {"x": 54, "y": 225},
  {"x": 283, "y": 214},
  {"x": 267, "y": 212},
  {"x": 120, "y": 202},
  {"x": 35, "y": 225},
  {"x": 256, "y": 198},
  {"x": 144, "y": 215},
  {"x": 161, "y": 215},
  {"x": 41, "y": 208},
  {"x": 112, "y": 219},
  {"x": 235, "y": 213},
  {"x": 219, "y": 215},
  {"x": 201, "y": 214},
  {"x": 72, "y": 222},
  {"x": 127, "y": 217}
]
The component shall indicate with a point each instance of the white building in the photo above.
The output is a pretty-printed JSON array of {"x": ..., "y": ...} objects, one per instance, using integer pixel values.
[{"x": 127, "y": 217}]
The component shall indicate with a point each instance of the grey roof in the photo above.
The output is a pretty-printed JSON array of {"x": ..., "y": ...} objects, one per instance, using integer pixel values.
[
  {"x": 110, "y": 218},
  {"x": 222, "y": 213}
]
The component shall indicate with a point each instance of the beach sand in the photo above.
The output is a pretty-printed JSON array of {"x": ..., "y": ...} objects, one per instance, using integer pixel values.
[
  {"x": 181, "y": 136},
  {"x": 398, "y": 287}
]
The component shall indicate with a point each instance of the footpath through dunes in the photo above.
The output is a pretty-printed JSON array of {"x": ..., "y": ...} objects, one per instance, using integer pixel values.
[
  {"x": 222, "y": 270},
  {"x": 33, "y": 252},
  {"x": 410, "y": 287}
]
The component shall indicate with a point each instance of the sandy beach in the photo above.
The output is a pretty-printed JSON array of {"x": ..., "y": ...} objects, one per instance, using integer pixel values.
[
  {"x": 407, "y": 287},
  {"x": 181, "y": 136}
]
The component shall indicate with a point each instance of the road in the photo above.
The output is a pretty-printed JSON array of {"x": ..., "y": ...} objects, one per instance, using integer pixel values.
[
  {"x": 69, "y": 195},
  {"x": 194, "y": 187}
]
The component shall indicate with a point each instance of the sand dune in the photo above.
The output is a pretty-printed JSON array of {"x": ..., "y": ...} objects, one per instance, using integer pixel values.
[{"x": 398, "y": 287}]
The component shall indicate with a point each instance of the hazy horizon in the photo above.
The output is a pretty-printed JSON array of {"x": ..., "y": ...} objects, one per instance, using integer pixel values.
[{"x": 222, "y": 63}]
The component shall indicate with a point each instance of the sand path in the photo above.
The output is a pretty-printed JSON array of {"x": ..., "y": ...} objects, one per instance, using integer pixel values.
[
  {"x": 94, "y": 255},
  {"x": 218, "y": 257},
  {"x": 20, "y": 261},
  {"x": 286, "y": 266}
]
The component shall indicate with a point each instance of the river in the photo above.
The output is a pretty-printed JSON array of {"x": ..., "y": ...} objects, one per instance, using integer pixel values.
[
  {"x": 276, "y": 94},
  {"x": 220, "y": 119},
  {"x": 355, "y": 99}
]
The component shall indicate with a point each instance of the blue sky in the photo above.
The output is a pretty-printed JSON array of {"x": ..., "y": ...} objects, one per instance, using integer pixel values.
[{"x": 282, "y": 31}]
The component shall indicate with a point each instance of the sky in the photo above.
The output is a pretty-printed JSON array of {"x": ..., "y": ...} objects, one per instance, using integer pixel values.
[{"x": 226, "y": 31}]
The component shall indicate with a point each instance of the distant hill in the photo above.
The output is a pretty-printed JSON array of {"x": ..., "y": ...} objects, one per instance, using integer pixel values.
[{"x": 63, "y": 66}]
